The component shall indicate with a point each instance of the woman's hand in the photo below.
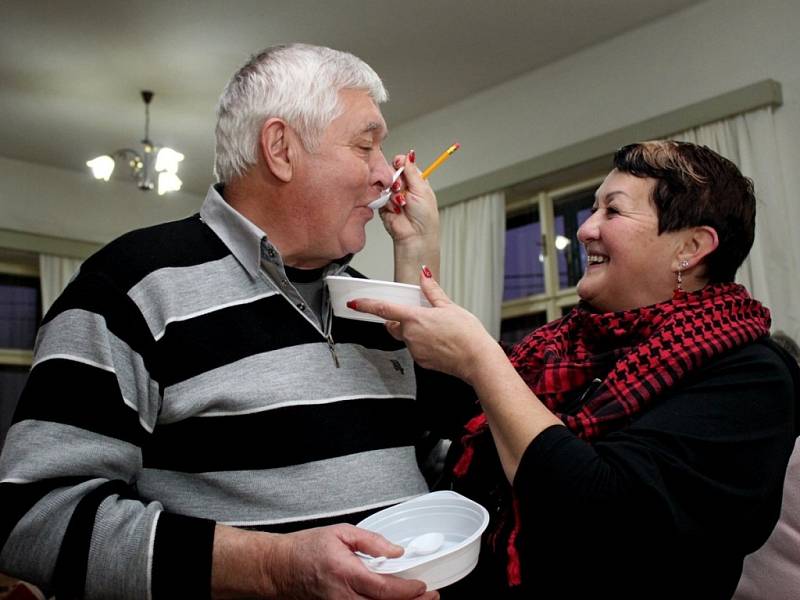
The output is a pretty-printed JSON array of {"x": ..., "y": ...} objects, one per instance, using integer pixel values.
[
  {"x": 445, "y": 337},
  {"x": 412, "y": 219},
  {"x": 450, "y": 339}
]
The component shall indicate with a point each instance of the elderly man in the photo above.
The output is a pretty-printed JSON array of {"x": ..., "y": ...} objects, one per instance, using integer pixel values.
[{"x": 196, "y": 418}]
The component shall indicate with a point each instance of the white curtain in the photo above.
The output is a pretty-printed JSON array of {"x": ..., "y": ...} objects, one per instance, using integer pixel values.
[
  {"x": 772, "y": 271},
  {"x": 55, "y": 273},
  {"x": 473, "y": 255}
]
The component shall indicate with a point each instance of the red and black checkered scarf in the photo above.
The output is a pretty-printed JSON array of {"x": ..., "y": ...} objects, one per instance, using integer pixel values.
[{"x": 636, "y": 355}]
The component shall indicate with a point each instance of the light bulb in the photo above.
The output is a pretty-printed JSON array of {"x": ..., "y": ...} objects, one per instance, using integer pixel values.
[
  {"x": 168, "y": 182},
  {"x": 167, "y": 160},
  {"x": 101, "y": 167},
  {"x": 561, "y": 242}
]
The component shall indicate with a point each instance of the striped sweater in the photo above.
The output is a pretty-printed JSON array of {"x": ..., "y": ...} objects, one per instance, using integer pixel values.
[{"x": 180, "y": 381}]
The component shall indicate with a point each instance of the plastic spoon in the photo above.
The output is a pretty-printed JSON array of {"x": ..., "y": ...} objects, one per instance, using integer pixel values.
[
  {"x": 427, "y": 543},
  {"x": 424, "y": 544},
  {"x": 387, "y": 193}
]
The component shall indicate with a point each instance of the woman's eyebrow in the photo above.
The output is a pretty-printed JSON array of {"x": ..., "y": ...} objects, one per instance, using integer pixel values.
[{"x": 610, "y": 196}]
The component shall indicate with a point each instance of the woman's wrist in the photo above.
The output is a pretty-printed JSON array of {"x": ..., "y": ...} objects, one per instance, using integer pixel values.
[
  {"x": 488, "y": 360},
  {"x": 409, "y": 258}
]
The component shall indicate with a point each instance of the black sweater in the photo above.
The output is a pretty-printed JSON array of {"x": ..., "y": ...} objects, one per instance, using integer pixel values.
[{"x": 667, "y": 507}]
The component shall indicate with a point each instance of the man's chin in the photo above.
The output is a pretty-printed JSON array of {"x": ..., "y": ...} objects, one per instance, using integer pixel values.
[
  {"x": 355, "y": 248},
  {"x": 355, "y": 241}
]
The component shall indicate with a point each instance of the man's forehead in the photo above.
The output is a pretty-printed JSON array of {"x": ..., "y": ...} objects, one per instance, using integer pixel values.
[{"x": 361, "y": 113}]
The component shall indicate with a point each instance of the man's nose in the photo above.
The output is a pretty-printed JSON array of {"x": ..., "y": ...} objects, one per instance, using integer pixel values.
[{"x": 383, "y": 172}]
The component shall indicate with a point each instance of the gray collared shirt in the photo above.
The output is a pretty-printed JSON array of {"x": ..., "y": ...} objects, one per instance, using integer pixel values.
[{"x": 261, "y": 259}]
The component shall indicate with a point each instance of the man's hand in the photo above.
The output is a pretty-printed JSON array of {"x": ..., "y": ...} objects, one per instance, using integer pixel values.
[{"x": 314, "y": 563}]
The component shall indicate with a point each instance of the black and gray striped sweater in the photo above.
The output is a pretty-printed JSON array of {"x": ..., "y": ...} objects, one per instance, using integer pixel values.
[{"x": 175, "y": 385}]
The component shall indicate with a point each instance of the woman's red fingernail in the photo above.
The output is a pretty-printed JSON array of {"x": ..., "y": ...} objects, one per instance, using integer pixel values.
[
  {"x": 399, "y": 200},
  {"x": 412, "y": 156},
  {"x": 427, "y": 272},
  {"x": 396, "y": 163},
  {"x": 396, "y": 186},
  {"x": 352, "y": 304}
]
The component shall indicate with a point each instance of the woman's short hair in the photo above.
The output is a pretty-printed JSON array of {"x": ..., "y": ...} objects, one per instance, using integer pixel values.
[
  {"x": 299, "y": 83},
  {"x": 696, "y": 186}
]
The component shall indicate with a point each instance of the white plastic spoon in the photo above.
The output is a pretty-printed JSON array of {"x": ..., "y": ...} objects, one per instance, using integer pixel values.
[
  {"x": 387, "y": 193},
  {"x": 422, "y": 545},
  {"x": 427, "y": 543}
]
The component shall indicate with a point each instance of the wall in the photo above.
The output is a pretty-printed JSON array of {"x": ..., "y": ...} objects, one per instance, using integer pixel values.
[
  {"x": 68, "y": 204},
  {"x": 698, "y": 53},
  {"x": 704, "y": 51}
]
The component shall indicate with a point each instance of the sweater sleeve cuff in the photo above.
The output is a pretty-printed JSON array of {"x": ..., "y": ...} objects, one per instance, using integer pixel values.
[{"x": 182, "y": 555}]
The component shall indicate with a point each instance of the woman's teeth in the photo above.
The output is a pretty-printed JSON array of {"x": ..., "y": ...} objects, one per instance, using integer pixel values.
[{"x": 595, "y": 259}]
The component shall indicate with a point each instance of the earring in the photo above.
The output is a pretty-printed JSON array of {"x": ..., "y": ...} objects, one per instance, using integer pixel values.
[{"x": 678, "y": 292}]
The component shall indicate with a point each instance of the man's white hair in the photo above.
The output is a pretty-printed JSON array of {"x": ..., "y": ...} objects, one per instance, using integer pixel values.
[{"x": 298, "y": 83}]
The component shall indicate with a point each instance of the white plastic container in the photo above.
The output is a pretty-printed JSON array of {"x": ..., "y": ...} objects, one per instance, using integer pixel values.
[
  {"x": 459, "y": 519},
  {"x": 344, "y": 289}
]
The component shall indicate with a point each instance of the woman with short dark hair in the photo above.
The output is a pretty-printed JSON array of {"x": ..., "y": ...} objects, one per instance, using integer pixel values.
[{"x": 636, "y": 447}]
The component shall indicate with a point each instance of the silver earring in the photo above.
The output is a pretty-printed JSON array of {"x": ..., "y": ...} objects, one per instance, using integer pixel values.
[{"x": 678, "y": 292}]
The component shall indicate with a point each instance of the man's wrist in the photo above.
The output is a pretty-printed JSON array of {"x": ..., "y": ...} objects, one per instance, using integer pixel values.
[{"x": 243, "y": 564}]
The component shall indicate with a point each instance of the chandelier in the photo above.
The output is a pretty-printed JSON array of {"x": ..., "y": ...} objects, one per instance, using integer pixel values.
[{"x": 153, "y": 165}]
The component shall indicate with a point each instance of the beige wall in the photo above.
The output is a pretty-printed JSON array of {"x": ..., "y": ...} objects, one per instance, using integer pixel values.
[
  {"x": 704, "y": 51},
  {"x": 68, "y": 204}
]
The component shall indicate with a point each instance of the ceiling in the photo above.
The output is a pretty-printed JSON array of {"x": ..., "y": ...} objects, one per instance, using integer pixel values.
[{"x": 71, "y": 72}]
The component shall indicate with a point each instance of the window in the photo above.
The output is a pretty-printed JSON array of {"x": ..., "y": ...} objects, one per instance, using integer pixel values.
[
  {"x": 20, "y": 313},
  {"x": 524, "y": 267},
  {"x": 544, "y": 259},
  {"x": 515, "y": 328},
  {"x": 569, "y": 212}
]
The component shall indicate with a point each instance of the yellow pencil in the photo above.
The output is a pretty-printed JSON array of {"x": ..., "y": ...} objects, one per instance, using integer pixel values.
[{"x": 442, "y": 157}]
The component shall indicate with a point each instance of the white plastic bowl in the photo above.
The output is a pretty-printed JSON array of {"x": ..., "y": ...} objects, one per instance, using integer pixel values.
[
  {"x": 344, "y": 289},
  {"x": 459, "y": 519}
]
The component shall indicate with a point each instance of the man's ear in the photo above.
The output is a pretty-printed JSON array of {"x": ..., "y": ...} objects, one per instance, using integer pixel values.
[
  {"x": 698, "y": 243},
  {"x": 276, "y": 148}
]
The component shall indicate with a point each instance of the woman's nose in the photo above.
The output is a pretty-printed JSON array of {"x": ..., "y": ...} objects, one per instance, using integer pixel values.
[{"x": 588, "y": 229}]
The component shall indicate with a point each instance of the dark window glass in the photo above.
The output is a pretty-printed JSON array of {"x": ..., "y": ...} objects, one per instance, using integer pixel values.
[
  {"x": 19, "y": 311},
  {"x": 524, "y": 267},
  {"x": 12, "y": 380},
  {"x": 514, "y": 329},
  {"x": 569, "y": 213}
]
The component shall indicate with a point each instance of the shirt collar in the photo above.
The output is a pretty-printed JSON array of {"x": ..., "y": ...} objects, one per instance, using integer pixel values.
[
  {"x": 243, "y": 238},
  {"x": 240, "y": 235}
]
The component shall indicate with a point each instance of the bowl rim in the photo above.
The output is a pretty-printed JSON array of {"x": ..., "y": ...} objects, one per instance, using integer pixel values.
[
  {"x": 348, "y": 278},
  {"x": 396, "y": 566}
]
